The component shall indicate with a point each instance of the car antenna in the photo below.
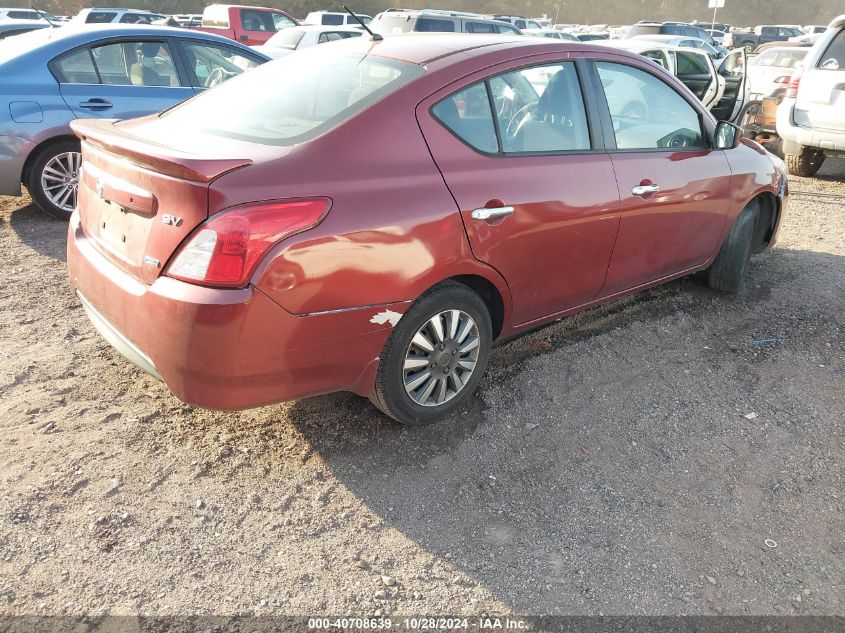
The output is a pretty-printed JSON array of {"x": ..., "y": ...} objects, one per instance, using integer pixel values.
[
  {"x": 44, "y": 15},
  {"x": 376, "y": 37}
]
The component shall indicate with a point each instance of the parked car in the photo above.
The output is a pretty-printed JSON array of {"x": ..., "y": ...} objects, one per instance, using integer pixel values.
[
  {"x": 811, "y": 118},
  {"x": 768, "y": 76},
  {"x": 250, "y": 25},
  {"x": 667, "y": 28},
  {"x": 299, "y": 37},
  {"x": 592, "y": 37},
  {"x": 761, "y": 35},
  {"x": 118, "y": 16},
  {"x": 721, "y": 88},
  {"x": 335, "y": 18},
  {"x": 551, "y": 34},
  {"x": 10, "y": 28},
  {"x": 395, "y": 22},
  {"x": 27, "y": 14},
  {"x": 115, "y": 71},
  {"x": 715, "y": 51},
  {"x": 265, "y": 257}
]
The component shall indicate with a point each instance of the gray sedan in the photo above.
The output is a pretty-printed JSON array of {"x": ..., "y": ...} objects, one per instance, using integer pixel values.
[{"x": 94, "y": 71}]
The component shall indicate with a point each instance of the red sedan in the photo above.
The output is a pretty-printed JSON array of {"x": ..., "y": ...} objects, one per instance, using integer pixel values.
[{"x": 372, "y": 215}]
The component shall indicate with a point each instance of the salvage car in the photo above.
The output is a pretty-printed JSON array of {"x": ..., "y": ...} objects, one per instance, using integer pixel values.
[
  {"x": 85, "y": 71},
  {"x": 811, "y": 117},
  {"x": 372, "y": 216}
]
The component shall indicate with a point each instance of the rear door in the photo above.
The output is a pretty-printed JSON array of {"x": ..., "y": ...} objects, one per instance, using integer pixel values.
[
  {"x": 821, "y": 95},
  {"x": 534, "y": 187},
  {"x": 120, "y": 79},
  {"x": 733, "y": 71}
]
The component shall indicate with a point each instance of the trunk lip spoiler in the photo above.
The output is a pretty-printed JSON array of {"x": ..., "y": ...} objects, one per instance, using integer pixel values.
[{"x": 104, "y": 134}]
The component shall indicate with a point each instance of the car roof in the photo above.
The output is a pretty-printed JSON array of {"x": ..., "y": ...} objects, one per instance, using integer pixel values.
[
  {"x": 423, "y": 48},
  {"x": 323, "y": 27}
]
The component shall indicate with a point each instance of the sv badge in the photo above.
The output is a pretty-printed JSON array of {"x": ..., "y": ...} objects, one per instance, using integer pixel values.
[{"x": 172, "y": 220}]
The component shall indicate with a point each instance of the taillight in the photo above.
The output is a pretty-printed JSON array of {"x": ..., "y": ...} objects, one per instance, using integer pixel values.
[
  {"x": 225, "y": 250},
  {"x": 794, "y": 82}
]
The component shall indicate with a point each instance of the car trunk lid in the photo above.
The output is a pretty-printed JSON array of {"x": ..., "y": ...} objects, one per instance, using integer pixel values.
[{"x": 138, "y": 200}]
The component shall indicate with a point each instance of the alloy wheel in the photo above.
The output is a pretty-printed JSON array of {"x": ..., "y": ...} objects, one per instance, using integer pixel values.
[
  {"x": 440, "y": 358},
  {"x": 60, "y": 180}
]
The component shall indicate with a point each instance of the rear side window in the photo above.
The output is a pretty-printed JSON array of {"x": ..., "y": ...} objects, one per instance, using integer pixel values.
[
  {"x": 468, "y": 115},
  {"x": 834, "y": 57},
  {"x": 647, "y": 113},
  {"x": 332, "y": 19},
  {"x": 538, "y": 109},
  {"x": 76, "y": 68},
  {"x": 291, "y": 101},
  {"x": 429, "y": 25},
  {"x": 100, "y": 17},
  {"x": 479, "y": 27},
  {"x": 136, "y": 64},
  {"x": 23, "y": 15}
]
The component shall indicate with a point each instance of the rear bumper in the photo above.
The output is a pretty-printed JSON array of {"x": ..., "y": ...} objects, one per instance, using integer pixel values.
[
  {"x": 225, "y": 348},
  {"x": 13, "y": 153},
  {"x": 795, "y": 137}
]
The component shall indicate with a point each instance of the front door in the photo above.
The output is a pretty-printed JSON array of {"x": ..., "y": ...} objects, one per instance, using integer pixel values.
[
  {"x": 675, "y": 193},
  {"x": 538, "y": 203},
  {"x": 733, "y": 70}
]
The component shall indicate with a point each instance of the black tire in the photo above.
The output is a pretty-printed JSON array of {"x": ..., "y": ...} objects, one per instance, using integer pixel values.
[
  {"x": 34, "y": 181},
  {"x": 725, "y": 275},
  {"x": 389, "y": 393},
  {"x": 807, "y": 163}
]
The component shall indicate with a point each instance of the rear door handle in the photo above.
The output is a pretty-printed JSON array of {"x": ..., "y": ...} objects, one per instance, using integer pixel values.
[
  {"x": 96, "y": 104},
  {"x": 644, "y": 190},
  {"x": 491, "y": 213}
]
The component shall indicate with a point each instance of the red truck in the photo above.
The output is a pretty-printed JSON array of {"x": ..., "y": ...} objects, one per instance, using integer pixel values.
[{"x": 248, "y": 25}]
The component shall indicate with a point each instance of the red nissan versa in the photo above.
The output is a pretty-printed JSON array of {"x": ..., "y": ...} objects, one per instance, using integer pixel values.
[{"x": 372, "y": 215}]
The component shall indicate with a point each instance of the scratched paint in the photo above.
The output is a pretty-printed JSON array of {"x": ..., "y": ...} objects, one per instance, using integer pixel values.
[{"x": 386, "y": 316}]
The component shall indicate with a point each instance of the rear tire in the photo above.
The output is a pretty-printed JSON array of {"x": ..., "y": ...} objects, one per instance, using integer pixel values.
[
  {"x": 411, "y": 380},
  {"x": 725, "y": 274},
  {"x": 806, "y": 164},
  {"x": 53, "y": 178}
]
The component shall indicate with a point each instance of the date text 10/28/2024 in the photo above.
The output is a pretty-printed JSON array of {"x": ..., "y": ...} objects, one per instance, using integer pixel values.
[{"x": 417, "y": 624}]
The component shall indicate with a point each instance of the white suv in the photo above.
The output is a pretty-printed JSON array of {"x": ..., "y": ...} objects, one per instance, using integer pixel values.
[{"x": 811, "y": 118}]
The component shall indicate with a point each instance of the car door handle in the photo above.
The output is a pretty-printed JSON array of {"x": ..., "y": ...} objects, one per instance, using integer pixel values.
[
  {"x": 491, "y": 213},
  {"x": 644, "y": 190},
  {"x": 96, "y": 104}
]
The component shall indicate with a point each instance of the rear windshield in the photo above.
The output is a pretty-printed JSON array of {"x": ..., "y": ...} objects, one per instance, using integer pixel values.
[
  {"x": 834, "y": 57},
  {"x": 289, "y": 38},
  {"x": 290, "y": 100}
]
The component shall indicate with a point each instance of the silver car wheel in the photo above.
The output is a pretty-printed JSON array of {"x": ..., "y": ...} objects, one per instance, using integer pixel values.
[
  {"x": 60, "y": 180},
  {"x": 441, "y": 358}
]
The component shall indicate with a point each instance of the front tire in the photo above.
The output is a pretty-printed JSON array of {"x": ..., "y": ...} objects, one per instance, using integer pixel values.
[
  {"x": 725, "y": 275},
  {"x": 806, "y": 164},
  {"x": 53, "y": 178},
  {"x": 435, "y": 357}
]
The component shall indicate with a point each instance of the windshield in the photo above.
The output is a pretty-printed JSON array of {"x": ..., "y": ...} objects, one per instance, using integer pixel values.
[
  {"x": 779, "y": 58},
  {"x": 288, "y": 101}
]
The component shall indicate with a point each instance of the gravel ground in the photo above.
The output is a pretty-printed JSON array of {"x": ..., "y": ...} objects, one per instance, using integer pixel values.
[{"x": 673, "y": 452}]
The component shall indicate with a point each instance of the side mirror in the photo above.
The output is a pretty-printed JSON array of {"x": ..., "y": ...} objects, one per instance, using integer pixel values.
[{"x": 727, "y": 135}]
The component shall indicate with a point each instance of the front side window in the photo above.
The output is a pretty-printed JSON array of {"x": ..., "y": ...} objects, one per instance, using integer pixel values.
[
  {"x": 834, "y": 57},
  {"x": 691, "y": 64},
  {"x": 211, "y": 64},
  {"x": 480, "y": 27},
  {"x": 290, "y": 101},
  {"x": 100, "y": 17},
  {"x": 282, "y": 22},
  {"x": 647, "y": 113},
  {"x": 332, "y": 19},
  {"x": 507, "y": 28},
  {"x": 538, "y": 109}
]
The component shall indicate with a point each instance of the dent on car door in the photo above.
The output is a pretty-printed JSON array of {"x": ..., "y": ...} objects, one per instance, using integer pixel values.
[
  {"x": 675, "y": 190},
  {"x": 539, "y": 202},
  {"x": 120, "y": 79},
  {"x": 732, "y": 69}
]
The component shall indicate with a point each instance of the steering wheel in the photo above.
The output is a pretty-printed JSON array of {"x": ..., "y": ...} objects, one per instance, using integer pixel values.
[
  {"x": 217, "y": 76},
  {"x": 677, "y": 141},
  {"x": 519, "y": 117}
]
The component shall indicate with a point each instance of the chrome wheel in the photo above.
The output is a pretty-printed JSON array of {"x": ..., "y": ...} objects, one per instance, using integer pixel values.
[
  {"x": 60, "y": 180},
  {"x": 441, "y": 358}
]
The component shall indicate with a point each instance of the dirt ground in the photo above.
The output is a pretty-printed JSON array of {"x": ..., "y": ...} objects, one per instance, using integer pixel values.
[{"x": 673, "y": 452}]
